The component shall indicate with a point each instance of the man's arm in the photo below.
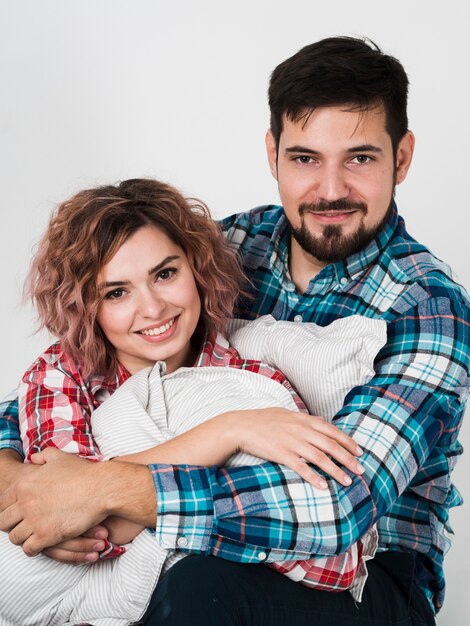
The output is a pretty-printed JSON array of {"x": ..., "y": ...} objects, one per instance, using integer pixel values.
[
  {"x": 67, "y": 495},
  {"x": 408, "y": 412}
]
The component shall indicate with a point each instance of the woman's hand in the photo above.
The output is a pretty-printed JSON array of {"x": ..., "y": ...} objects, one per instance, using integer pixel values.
[
  {"x": 295, "y": 440},
  {"x": 86, "y": 548},
  {"x": 83, "y": 549},
  {"x": 121, "y": 531}
]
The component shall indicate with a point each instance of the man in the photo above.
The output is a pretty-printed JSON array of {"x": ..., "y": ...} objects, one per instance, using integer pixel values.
[{"x": 338, "y": 144}]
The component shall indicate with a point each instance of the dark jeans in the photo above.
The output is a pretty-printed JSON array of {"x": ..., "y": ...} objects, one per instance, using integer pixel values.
[{"x": 207, "y": 591}]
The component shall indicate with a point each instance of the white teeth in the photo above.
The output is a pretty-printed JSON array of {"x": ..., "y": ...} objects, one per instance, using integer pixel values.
[
  {"x": 335, "y": 213},
  {"x": 157, "y": 331}
]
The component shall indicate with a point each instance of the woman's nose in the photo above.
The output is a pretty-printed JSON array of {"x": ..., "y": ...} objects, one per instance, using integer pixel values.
[{"x": 151, "y": 305}]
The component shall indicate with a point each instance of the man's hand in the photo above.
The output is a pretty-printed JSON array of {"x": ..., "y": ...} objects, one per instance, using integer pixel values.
[
  {"x": 11, "y": 468},
  {"x": 83, "y": 549},
  {"x": 66, "y": 495},
  {"x": 57, "y": 501}
]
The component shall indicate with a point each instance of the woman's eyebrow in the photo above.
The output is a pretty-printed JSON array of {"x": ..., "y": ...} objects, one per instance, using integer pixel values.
[
  {"x": 123, "y": 283},
  {"x": 165, "y": 261},
  {"x": 113, "y": 283}
]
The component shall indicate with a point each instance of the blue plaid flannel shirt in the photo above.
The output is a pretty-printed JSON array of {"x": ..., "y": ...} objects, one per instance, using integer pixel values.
[
  {"x": 9, "y": 431},
  {"x": 406, "y": 419}
]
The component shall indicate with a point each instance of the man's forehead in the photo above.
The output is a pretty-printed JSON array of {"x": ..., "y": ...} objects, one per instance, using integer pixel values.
[{"x": 340, "y": 123}]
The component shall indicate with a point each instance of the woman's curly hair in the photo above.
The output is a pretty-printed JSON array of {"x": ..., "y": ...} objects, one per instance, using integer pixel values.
[{"x": 86, "y": 231}]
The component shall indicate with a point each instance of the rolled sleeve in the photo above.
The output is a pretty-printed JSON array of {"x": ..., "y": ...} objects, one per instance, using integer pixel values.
[
  {"x": 185, "y": 507},
  {"x": 9, "y": 424}
]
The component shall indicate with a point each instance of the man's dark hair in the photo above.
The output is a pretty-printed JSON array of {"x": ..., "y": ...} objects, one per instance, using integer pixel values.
[{"x": 339, "y": 71}]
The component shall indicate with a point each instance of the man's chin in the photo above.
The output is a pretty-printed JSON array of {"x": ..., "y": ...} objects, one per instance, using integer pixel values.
[{"x": 333, "y": 244}]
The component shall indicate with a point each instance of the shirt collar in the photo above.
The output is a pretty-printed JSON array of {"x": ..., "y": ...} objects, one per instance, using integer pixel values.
[
  {"x": 278, "y": 253},
  {"x": 348, "y": 268}
]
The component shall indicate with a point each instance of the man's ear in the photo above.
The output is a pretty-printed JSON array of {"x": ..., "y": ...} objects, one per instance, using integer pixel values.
[
  {"x": 404, "y": 156},
  {"x": 271, "y": 150}
]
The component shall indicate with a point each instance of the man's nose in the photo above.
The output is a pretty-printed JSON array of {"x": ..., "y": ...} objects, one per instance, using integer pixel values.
[{"x": 332, "y": 183}]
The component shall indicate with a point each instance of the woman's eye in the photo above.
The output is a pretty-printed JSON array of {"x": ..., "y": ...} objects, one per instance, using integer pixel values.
[
  {"x": 165, "y": 274},
  {"x": 115, "y": 294}
]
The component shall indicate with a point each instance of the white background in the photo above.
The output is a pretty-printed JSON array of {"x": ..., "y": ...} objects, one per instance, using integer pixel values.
[{"x": 95, "y": 91}]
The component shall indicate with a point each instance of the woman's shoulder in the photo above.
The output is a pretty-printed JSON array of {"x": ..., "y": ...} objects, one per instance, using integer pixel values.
[
  {"x": 55, "y": 368},
  {"x": 54, "y": 359}
]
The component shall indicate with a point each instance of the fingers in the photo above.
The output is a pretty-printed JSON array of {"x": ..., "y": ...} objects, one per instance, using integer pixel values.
[
  {"x": 10, "y": 517},
  {"x": 328, "y": 439},
  {"x": 306, "y": 454},
  {"x": 324, "y": 453},
  {"x": 315, "y": 445},
  {"x": 38, "y": 458},
  {"x": 7, "y": 499},
  {"x": 71, "y": 556},
  {"x": 97, "y": 532},
  {"x": 325, "y": 449},
  {"x": 334, "y": 433},
  {"x": 47, "y": 456},
  {"x": 305, "y": 471},
  {"x": 84, "y": 549},
  {"x": 80, "y": 544},
  {"x": 19, "y": 535},
  {"x": 325, "y": 463},
  {"x": 31, "y": 547},
  {"x": 63, "y": 556}
]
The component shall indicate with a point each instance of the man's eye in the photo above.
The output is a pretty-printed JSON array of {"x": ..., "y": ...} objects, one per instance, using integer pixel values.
[
  {"x": 303, "y": 160},
  {"x": 115, "y": 294},
  {"x": 362, "y": 159}
]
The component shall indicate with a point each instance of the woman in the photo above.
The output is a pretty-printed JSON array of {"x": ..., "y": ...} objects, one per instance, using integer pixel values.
[{"x": 126, "y": 277}]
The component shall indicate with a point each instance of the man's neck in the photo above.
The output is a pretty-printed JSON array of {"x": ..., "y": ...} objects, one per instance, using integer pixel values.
[{"x": 302, "y": 266}]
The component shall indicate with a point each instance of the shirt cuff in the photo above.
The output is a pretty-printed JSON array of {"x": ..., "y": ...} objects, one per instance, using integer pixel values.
[
  {"x": 185, "y": 507},
  {"x": 12, "y": 444}
]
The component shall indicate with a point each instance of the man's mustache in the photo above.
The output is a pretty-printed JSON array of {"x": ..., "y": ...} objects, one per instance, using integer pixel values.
[{"x": 336, "y": 205}]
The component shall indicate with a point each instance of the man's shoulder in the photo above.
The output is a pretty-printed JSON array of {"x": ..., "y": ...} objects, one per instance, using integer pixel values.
[
  {"x": 412, "y": 263},
  {"x": 260, "y": 221}
]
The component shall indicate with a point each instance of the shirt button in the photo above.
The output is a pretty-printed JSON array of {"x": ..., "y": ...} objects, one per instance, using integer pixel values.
[
  {"x": 262, "y": 556},
  {"x": 182, "y": 542},
  {"x": 344, "y": 280},
  {"x": 297, "y": 318}
]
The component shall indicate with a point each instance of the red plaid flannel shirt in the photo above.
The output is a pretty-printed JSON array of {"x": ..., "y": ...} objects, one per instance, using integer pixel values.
[{"x": 55, "y": 404}]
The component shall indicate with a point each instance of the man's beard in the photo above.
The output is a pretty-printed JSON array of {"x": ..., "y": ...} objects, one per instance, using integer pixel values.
[{"x": 332, "y": 245}]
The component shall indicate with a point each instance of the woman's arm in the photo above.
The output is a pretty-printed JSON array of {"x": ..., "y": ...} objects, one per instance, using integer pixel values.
[
  {"x": 54, "y": 390},
  {"x": 274, "y": 434}
]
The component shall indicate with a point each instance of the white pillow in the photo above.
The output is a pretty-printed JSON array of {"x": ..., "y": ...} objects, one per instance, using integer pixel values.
[{"x": 322, "y": 362}]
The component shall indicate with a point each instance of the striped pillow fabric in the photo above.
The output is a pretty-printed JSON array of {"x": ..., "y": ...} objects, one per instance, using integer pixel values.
[{"x": 323, "y": 363}]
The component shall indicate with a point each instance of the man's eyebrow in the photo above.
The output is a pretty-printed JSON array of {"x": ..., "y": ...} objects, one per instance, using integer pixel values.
[
  {"x": 303, "y": 149},
  {"x": 366, "y": 147},
  {"x": 123, "y": 283}
]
